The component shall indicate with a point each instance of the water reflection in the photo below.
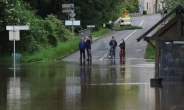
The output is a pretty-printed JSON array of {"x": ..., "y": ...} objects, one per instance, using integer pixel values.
[
  {"x": 122, "y": 68},
  {"x": 14, "y": 94},
  {"x": 85, "y": 72},
  {"x": 56, "y": 86},
  {"x": 170, "y": 96},
  {"x": 112, "y": 69}
]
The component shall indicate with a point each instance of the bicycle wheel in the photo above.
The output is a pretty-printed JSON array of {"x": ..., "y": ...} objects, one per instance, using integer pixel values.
[{"x": 109, "y": 54}]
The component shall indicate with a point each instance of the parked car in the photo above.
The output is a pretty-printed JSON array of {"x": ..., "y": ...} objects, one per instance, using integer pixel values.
[{"x": 126, "y": 21}]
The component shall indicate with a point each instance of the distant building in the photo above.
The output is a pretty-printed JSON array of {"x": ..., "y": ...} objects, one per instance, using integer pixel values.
[{"x": 149, "y": 5}]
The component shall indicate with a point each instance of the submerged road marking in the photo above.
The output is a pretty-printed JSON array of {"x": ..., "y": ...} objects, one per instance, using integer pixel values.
[{"x": 124, "y": 39}]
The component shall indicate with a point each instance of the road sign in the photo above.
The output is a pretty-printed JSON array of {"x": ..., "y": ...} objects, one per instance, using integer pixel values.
[
  {"x": 67, "y": 8},
  {"x": 90, "y": 26},
  {"x": 24, "y": 27},
  {"x": 14, "y": 35},
  {"x": 69, "y": 22},
  {"x": 72, "y": 14}
]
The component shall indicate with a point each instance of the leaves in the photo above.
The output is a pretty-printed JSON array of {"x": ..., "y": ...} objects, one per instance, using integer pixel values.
[{"x": 36, "y": 39}]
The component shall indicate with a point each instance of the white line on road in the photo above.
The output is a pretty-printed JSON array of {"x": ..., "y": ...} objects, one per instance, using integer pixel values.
[
  {"x": 124, "y": 39},
  {"x": 141, "y": 22}
]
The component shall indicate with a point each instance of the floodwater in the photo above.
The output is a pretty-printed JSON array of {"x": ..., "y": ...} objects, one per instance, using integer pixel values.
[{"x": 98, "y": 85}]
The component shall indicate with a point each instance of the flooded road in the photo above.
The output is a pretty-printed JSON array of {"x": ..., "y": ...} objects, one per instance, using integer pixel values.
[
  {"x": 100, "y": 85},
  {"x": 103, "y": 85}
]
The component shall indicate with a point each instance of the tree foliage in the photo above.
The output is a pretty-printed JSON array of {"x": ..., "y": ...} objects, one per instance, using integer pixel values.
[
  {"x": 88, "y": 11},
  {"x": 38, "y": 37},
  {"x": 170, "y": 4}
]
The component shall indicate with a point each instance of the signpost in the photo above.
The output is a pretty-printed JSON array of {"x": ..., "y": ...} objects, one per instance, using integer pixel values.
[
  {"x": 72, "y": 22},
  {"x": 14, "y": 36},
  {"x": 67, "y": 8}
]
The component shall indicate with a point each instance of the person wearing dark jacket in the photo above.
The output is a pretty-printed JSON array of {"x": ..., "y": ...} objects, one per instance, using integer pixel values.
[
  {"x": 82, "y": 46},
  {"x": 113, "y": 45},
  {"x": 122, "y": 47},
  {"x": 88, "y": 48}
]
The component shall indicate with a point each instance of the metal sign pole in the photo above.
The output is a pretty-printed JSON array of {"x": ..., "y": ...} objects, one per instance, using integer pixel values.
[
  {"x": 72, "y": 29},
  {"x": 12, "y": 37},
  {"x": 14, "y": 51}
]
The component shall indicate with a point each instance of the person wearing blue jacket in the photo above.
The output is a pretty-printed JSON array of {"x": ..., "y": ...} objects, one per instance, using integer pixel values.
[{"x": 82, "y": 46}]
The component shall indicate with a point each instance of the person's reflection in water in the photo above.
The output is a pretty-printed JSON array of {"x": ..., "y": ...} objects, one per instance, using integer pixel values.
[
  {"x": 122, "y": 67},
  {"x": 85, "y": 72},
  {"x": 113, "y": 69}
]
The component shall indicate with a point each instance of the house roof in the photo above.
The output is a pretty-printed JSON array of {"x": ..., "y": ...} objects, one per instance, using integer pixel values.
[{"x": 178, "y": 9}]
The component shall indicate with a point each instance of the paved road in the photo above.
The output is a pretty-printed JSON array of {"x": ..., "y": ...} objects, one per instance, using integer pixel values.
[{"x": 134, "y": 49}]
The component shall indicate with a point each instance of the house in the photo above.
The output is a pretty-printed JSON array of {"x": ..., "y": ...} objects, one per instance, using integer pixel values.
[{"x": 149, "y": 5}]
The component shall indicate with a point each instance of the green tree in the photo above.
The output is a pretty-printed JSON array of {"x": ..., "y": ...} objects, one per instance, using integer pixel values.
[
  {"x": 17, "y": 12},
  {"x": 170, "y": 4}
]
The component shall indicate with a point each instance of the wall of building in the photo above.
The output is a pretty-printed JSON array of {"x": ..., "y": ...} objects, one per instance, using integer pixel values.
[{"x": 149, "y": 5}]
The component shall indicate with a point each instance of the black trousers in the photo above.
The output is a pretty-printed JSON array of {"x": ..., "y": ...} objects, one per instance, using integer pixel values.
[{"x": 82, "y": 53}]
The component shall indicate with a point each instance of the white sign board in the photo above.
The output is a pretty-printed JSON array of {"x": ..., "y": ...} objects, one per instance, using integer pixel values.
[
  {"x": 178, "y": 42},
  {"x": 25, "y": 27},
  {"x": 67, "y": 8},
  {"x": 14, "y": 35},
  {"x": 69, "y": 22},
  {"x": 90, "y": 26}
]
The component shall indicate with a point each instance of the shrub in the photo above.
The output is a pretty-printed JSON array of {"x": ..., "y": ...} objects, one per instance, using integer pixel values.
[{"x": 144, "y": 12}]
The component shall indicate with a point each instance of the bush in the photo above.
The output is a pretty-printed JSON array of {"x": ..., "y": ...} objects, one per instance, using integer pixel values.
[
  {"x": 127, "y": 28},
  {"x": 144, "y": 12}
]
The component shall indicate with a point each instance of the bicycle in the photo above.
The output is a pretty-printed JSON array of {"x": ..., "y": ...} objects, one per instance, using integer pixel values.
[
  {"x": 110, "y": 54},
  {"x": 122, "y": 53}
]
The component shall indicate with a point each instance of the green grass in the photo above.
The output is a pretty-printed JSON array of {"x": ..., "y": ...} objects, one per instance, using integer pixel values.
[
  {"x": 101, "y": 32},
  {"x": 127, "y": 28},
  {"x": 150, "y": 52},
  {"x": 62, "y": 50}
]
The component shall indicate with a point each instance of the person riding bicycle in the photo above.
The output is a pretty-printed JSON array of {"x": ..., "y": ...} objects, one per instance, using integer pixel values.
[
  {"x": 122, "y": 47},
  {"x": 113, "y": 45}
]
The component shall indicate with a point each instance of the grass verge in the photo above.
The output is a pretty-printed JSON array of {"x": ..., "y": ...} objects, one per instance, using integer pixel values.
[
  {"x": 150, "y": 52},
  {"x": 101, "y": 32},
  {"x": 62, "y": 50}
]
